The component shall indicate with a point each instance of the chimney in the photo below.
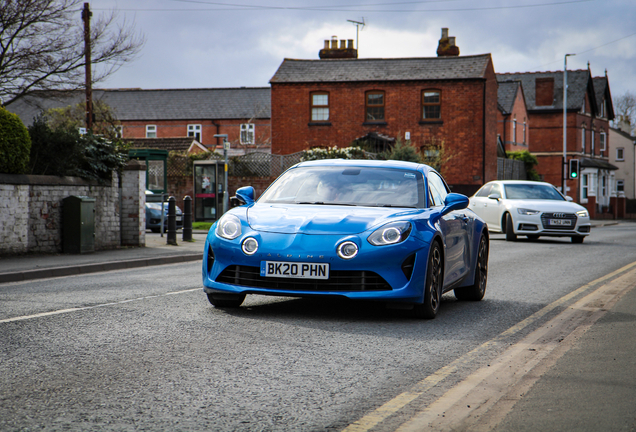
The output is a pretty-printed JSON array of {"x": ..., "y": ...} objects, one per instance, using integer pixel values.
[
  {"x": 544, "y": 91},
  {"x": 446, "y": 46},
  {"x": 333, "y": 51}
]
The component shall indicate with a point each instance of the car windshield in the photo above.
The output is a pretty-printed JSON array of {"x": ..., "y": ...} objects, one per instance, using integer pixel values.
[
  {"x": 355, "y": 186},
  {"x": 532, "y": 192}
]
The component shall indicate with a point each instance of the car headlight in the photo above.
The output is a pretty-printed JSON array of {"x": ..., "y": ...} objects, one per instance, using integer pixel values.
[
  {"x": 229, "y": 227},
  {"x": 527, "y": 212},
  {"x": 391, "y": 233},
  {"x": 347, "y": 250},
  {"x": 582, "y": 213}
]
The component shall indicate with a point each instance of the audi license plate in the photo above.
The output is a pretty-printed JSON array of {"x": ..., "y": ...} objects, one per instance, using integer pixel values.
[
  {"x": 565, "y": 222},
  {"x": 294, "y": 270}
]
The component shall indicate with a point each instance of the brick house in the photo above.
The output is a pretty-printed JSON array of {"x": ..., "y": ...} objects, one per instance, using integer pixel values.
[
  {"x": 336, "y": 101},
  {"x": 241, "y": 113},
  {"x": 589, "y": 110},
  {"x": 512, "y": 116},
  {"x": 623, "y": 155}
]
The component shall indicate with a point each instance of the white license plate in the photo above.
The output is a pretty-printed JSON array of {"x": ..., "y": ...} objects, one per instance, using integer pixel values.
[
  {"x": 560, "y": 222},
  {"x": 294, "y": 270}
]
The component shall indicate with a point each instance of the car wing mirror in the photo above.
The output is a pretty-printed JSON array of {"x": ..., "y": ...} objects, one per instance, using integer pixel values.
[
  {"x": 454, "y": 201},
  {"x": 244, "y": 195},
  {"x": 569, "y": 198},
  {"x": 494, "y": 197}
]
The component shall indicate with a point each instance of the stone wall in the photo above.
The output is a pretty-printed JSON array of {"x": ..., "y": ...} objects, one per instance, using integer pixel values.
[
  {"x": 31, "y": 212},
  {"x": 133, "y": 226}
]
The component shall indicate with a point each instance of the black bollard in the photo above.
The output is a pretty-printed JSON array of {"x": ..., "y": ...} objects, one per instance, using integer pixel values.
[
  {"x": 172, "y": 221},
  {"x": 187, "y": 218}
]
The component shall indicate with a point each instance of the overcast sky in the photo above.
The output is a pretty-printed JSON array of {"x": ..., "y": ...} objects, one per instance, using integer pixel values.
[{"x": 206, "y": 44}]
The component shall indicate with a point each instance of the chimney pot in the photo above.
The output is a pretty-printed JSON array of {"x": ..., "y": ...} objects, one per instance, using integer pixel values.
[
  {"x": 343, "y": 44},
  {"x": 444, "y": 32},
  {"x": 326, "y": 44},
  {"x": 334, "y": 42},
  {"x": 451, "y": 40},
  {"x": 350, "y": 45}
]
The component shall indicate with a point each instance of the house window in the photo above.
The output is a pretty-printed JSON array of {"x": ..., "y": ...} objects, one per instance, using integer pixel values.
[
  {"x": 603, "y": 141},
  {"x": 584, "y": 186},
  {"x": 151, "y": 131},
  {"x": 620, "y": 186},
  {"x": 584, "y": 107},
  {"x": 194, "y": 130},
  {"x": 603, "y": 186},
  {"x": 583, "y": 138},
  {"x": 620, "y": 154},
  {"x": 319, "y": 107},
  {"x": 524, "y": 131},
  {"x": 375, "y": 106},
  {"x": 119, "y": 131},
  {"x": 247, "y": 133},
  {"x": 514, "y": 130},
  {"x": 592, "y": 142},
  {"x": 431, "y": 105}
]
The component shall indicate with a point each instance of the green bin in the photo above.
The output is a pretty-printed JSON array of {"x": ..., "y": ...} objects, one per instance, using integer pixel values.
[{"x": 78, "y": 224}]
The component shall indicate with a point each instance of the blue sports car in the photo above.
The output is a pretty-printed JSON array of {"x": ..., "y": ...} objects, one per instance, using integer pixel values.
[{"x": 387, "y": 231}]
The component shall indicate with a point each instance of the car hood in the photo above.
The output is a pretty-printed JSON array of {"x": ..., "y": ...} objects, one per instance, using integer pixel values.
[
  {"x": 550, "y": 206},
  {"x": 321, "y": 219}
]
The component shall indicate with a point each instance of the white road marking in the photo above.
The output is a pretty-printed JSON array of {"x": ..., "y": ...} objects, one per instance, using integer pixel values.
[{"x": 77, "y": 309}]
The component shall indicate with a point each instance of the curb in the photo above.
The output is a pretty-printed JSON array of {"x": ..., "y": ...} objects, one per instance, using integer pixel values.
[{"x": 95, "y": 267}]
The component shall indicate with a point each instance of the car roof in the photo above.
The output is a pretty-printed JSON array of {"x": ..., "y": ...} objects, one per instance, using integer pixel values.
[
  {"x": 530, "y": 182},
  {"x": 366, "y": 163}
]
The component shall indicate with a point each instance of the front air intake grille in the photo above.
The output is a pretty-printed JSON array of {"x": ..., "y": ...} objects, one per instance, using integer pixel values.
[
  {"x": 339, "y": 280},
  {"x": 549, "y": 221}
]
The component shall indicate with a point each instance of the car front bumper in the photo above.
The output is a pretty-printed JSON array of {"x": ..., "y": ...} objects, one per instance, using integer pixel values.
[{"x": 551, "y": 224}]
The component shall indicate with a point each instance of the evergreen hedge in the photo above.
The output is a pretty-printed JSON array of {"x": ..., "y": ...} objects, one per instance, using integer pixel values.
[{"x": 15, "y": 144}]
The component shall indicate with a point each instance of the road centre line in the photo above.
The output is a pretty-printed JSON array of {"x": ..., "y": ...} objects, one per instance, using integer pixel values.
[
  {"x": 389, "y": 408},
  {"x": 77, "y": 309}
]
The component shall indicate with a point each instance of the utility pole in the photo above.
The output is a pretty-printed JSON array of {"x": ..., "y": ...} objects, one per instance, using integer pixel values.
[
  {"x": 565, "y": 127},
  {"x": 86, "y": 17}
]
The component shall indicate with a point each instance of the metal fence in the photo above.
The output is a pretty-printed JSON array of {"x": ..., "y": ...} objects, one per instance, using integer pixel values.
[
  {"x": 510, "y": 169},
  {"x": 261, "y": 164}
]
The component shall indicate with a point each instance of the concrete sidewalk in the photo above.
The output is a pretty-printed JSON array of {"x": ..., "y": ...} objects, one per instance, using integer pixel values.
[{"x": 156, "y": 252}]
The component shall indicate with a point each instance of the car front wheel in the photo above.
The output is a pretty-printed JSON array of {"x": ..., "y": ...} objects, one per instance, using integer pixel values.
[
  {"x": 510, "y": 232},
  {"x": 226, "y": 300},
  {"x": 476, "y": 291},
  {"x": 432, "y": 286}
]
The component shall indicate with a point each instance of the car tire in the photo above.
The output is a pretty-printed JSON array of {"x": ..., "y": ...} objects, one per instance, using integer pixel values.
[
  {"x": 533, "y": 237},
  {"x": 226, "y": 300},
  {"x": 476, "y": 291},
  {"x": 510, "y": 233},
  {"x": 433, "y": 285},
  {"x": 577, "y": 239}
]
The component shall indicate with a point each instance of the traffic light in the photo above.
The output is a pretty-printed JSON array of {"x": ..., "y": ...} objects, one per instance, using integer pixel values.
[{"x": 574, "y": 168}]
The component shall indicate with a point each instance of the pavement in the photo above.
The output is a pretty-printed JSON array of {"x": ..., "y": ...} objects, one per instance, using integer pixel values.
[
  {"x": 590, "y": 383},
  {"x": 156, "y": 252}
]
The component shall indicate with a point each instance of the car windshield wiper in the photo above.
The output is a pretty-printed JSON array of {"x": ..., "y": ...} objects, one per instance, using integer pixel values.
[
  {"x": 325, "y": 203},
  {"x": 391, "y": 205}
]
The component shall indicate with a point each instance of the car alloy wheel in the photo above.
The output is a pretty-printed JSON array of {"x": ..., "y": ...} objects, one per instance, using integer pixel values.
[
  {"x": 476, "y": 291},
  {"x": 433, "y": 285}
]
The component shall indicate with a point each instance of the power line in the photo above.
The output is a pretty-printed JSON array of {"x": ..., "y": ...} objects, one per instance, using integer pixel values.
[{"x": 336, "y": 8}]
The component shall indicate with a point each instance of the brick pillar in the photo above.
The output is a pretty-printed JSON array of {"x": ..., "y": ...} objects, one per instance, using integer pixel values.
[
  {"x": 618, "y": 205},
  {"x": 591, "y": 206},
  {"x": 133, "y": 206}
]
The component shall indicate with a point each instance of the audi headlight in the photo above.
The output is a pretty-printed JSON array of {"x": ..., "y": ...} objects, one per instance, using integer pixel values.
[
  {"x": 229, "y": 227},
  {"x": 527, "y": 212},
  {"x": 391, "y": 233},
  {"x": 582, "y": 213}
]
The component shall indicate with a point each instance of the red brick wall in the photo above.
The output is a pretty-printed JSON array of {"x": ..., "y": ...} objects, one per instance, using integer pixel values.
[
  {"x": 462, "y": 125},
  {"x": 505, "y": 126},
  {"x": 209, "y": 128}
]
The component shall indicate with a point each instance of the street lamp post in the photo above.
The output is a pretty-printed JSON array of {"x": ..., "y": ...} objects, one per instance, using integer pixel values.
[
  {"x": 226, "y": 145},
  {"x": 565, "y": 127}
]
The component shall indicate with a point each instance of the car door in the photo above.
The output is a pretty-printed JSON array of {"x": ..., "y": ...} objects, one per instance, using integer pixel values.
[
  {"x": 493, "y": 207},
  {"x": 454, "y": 227}
]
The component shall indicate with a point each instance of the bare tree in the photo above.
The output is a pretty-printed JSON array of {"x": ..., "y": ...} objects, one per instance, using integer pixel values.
[
  {"x": 42, "y": 46},
  {"x": 625, "y": 107}
]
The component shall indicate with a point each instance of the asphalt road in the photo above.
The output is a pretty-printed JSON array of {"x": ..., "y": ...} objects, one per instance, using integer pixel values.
[{"x": 143, "y": 350}]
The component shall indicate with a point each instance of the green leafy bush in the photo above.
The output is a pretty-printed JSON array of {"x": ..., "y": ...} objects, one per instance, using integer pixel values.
[
  {"x": 15, "y": 144},
  {"x": 64, "y": 152},
  {"x": 403, "y": 151},
  {"x": 530, "y": 162}
]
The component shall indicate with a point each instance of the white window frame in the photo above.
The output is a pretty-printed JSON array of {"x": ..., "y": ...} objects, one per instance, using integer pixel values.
[
  {"x": 195, "y": 131},
  {"x": 247, "y": 133},
  {"x": 603, "y": 141},
  {"x": 319, "y": 102},
  {"x": 585, "y": 186},
  {"x": 151, "y": 131},
  {"x": 592, "y": 139},
  {"x": 620, "y": 186},
  {"x": 119, "y": 131},
  {"x": 583, "y": 138},
  {"x": 524, "y": 130},
  {"x": 620, "y": 153},
  {"x": 514, "y": 130}
]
